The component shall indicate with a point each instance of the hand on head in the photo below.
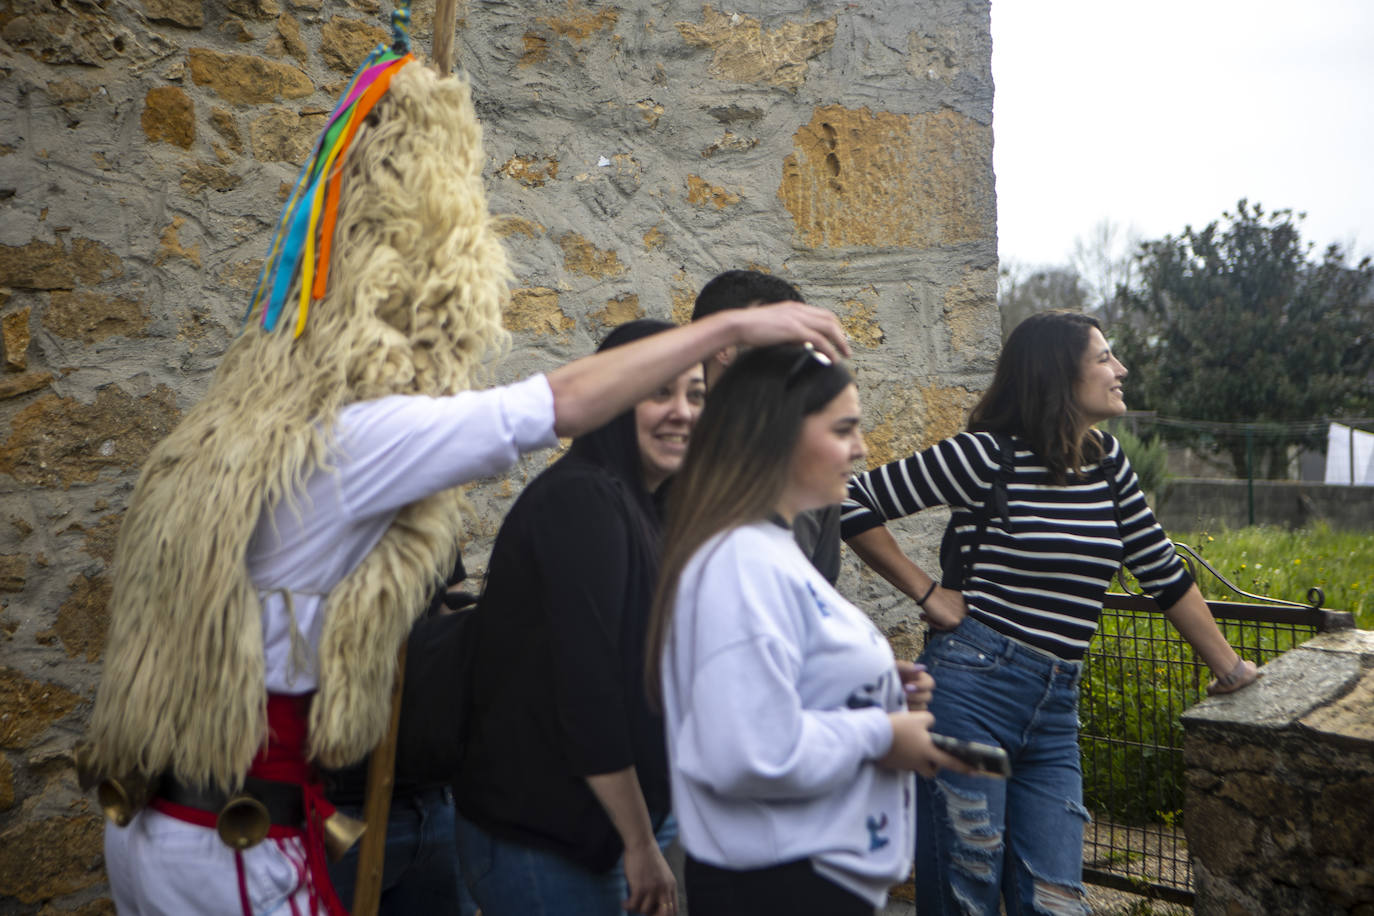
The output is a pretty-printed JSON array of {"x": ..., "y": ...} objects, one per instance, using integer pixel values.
[{"x": 791, "y": 322}]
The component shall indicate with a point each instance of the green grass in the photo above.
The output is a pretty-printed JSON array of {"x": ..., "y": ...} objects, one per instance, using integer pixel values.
[{"x": 1283, "y": 564}]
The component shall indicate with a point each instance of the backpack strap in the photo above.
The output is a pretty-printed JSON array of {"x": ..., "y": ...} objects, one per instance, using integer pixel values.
[{"x": 953, "y": 564}]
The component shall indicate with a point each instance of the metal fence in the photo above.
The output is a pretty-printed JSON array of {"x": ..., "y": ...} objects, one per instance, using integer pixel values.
[{"x": 1140, "y": 675}]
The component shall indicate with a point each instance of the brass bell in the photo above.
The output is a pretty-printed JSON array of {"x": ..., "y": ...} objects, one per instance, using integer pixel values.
[
  {"x": 243, "y": 822},
  {"x": 121, "y": 799},
  {"x": 340, "y": 833}
]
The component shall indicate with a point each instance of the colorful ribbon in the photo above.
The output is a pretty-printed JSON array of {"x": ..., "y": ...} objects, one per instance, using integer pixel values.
[{"x": 300, "y": 232}]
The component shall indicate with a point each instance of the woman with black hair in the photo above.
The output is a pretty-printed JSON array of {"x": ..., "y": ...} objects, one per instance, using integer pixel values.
[
  {"x": 790, "y": 742},
  {"x": 565, "y": 771},
  {"x": 1046, "y": 509}
]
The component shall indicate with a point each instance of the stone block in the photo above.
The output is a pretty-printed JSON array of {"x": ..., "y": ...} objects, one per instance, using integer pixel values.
[
  {"x": 580, "y": 256},
  {"x": 1293, "y": 685},
  {"x": 1219, "y": 836},
  {"x": 170, "y": 246},
  {"x": 701, "y": 192},
  {"x": 580, "y": 21},
  {"x": 289, "y": 31},
  {"x": 507, "y": 225},
  {"x": 254, "y": 9},
  {"x": 56, "y": 441},
  {"x": 618, "y": 311},
  {"x": 14, "y": 569},
  {"x": 284, "y": 135},
  {"x": 535, "y": 309},
  {"x": 12, "y": 386},
  {"x": 531, "y": 171},
  {"x": 83, "y": 34},
  {"x": 888, "y": 180},
  {"x": 14, "y": 334},
  {"x": 743, "y": 51},
  {"x": 84, "y": 618},
  {"x": 169, "y": 116},
  {"x": 40, "y": 860},
  {"x": 1351, "y": 716},
  {"x": 28, "y": 708},
  {"x": 345, "y": 42},
  {"x": 247, "y": 79},
  {"x": 54, "y": 265},
  {"x": 6, "y": 783},
  {"x": 222, "y": 120},
  {"x": 188, "y": 13},
  {"x": 202, "y": 176},
  {"x": 860, "y": 321},
  {"x": 91, "y": 317},
  {"x": 1343, "y": 820}
]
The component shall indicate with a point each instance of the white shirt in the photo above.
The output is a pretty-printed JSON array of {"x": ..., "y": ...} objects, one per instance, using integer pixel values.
[
  {"x": 776, "y": 694},
  {"x": 387, "y": 453}
]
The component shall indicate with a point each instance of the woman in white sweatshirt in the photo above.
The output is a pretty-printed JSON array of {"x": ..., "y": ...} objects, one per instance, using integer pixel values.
[{"x": 790, "y": 744}]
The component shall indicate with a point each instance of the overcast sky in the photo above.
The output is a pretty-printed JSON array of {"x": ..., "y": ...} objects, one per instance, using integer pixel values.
[{"x": 1161, "y": 114}]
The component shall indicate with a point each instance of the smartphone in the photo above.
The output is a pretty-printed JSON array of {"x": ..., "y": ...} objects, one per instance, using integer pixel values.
[{"x": 985, "y": 759}]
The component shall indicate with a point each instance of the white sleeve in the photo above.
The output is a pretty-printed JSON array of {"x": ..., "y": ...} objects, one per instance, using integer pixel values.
[
  {"x": 398, "y": 449},
  {"x": 744, "y": 730}
]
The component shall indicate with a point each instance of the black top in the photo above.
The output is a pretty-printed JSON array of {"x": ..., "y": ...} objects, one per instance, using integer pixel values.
[
  {"x": 559, "y": 680},
  {"x": 818, "y": 535}
]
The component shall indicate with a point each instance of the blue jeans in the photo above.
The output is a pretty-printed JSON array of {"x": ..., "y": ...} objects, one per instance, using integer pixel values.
[
  {"x": 420, "y": 872},
  {"x": 512, "y": 879},
  {"x": 1021, "y": 839}
]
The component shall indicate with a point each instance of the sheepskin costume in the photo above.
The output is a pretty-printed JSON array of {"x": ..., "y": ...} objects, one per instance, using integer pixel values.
[{"x": 417, "y": 284}]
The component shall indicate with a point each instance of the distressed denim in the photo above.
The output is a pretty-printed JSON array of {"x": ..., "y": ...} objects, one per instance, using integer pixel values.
[
  {"x": 1020, "y": 840},
  {"x": 511, "y": 879}
]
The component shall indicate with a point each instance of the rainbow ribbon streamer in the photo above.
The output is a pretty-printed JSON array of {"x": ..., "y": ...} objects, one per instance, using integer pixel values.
[{"x": 301, "y": 232}]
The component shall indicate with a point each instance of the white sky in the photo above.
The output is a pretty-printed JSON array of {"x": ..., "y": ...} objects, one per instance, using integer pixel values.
[{"x": 1162, "y": 114}]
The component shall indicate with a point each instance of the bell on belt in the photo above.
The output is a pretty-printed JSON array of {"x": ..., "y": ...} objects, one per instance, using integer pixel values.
[
  {"x": 121, "y": 799},
  {"x": 340, "y": 833},
  {"x": 243, "y": 822}
]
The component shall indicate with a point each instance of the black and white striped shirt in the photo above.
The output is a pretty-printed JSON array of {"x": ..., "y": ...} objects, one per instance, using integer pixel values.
[{"x": 1043, "y": 582}]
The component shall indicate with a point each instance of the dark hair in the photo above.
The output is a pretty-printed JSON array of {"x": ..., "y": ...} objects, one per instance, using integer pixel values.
[
  {"x": 737, "y": 462},
  {"x": 614, "y": 445},
  {"x": 1032, "y": 391},
  {"x": 736, "y": 289}
]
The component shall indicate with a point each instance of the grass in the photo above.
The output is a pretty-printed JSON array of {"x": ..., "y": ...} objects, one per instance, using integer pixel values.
[{"x": 1282, "y": 563}]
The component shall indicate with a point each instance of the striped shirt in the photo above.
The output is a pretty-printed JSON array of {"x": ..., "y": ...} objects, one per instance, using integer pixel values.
[{"x": 1042, "y": 582}]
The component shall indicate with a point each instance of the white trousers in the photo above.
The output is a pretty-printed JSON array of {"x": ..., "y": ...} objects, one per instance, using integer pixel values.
[{"x": 161, "y": 866}]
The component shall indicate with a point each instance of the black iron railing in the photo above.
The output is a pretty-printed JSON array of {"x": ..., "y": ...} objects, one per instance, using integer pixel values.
[{"x": 1140, "y": 676}]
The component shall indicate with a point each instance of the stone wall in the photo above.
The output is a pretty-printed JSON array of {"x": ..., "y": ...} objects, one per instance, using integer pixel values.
[
  {"x": 634, "y": 150},
  {"x": 1280, "y": 803},
  {"x": 1197, "y": 505}
]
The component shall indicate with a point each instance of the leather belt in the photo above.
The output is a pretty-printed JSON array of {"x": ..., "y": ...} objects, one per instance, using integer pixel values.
[{"x": 283, "y": 801}]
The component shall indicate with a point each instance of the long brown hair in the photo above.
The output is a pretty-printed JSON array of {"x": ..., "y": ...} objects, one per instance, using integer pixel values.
[
  {"x": 737, "y": 463},
  {"x": 1032, "y": 391}
]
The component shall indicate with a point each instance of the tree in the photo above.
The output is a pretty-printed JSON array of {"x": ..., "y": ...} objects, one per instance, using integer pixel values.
[
  {"x": 1104, "y": 262},
  {"x": 1021, "y": 292},
  {"x": 1235, "y": 323}
]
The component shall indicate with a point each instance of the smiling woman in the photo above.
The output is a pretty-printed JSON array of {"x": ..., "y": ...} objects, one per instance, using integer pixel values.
[
  {"x": 792, "y": 747},
  {"x": 566, "y": 776}
]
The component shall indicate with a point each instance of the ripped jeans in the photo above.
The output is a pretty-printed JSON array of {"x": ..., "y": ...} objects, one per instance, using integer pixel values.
[{"x": 1021, "y": 840}]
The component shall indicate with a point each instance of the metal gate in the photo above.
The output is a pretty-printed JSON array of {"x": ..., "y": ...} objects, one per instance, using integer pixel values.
[{"x": 1140, "y": 676}]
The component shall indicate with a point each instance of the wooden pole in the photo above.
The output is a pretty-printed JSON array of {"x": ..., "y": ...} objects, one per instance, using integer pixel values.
[
  {"x": 381, "y": 768},
  {"x": 445, "y": 25},
  {"x": 381, "y": 778}
]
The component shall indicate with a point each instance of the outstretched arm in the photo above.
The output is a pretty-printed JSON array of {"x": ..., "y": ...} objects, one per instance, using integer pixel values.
[
  {"x": 590, "y": 391},
  {"x": 943, "y": 608},
  {"x": 1193, "y": 619}
]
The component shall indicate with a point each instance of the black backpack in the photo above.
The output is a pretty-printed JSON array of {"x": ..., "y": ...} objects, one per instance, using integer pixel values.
[
  {"x": 436, "y": 697},
  {"x": 953, "y": 567}
]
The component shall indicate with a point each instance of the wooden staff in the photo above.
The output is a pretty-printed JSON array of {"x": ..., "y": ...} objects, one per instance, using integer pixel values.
[
  {"x": 381, "y": 768},
  {"x": 445, "y": 18}
]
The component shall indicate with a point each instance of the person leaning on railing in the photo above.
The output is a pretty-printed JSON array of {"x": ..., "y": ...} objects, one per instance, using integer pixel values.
[{"x": 1006, "y": 649}]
